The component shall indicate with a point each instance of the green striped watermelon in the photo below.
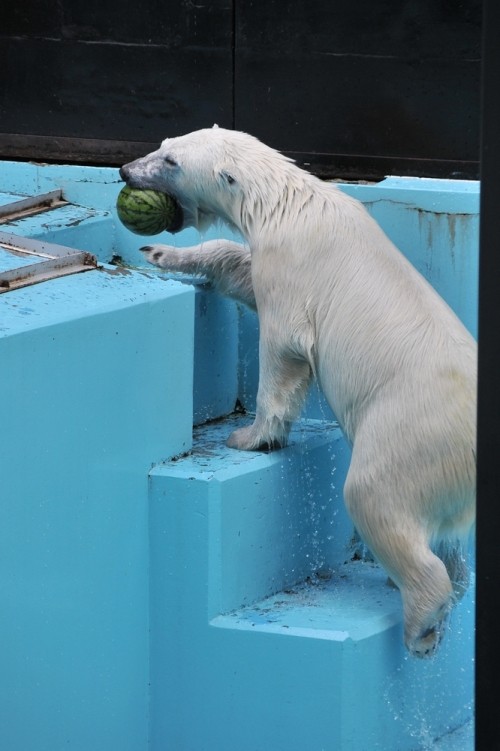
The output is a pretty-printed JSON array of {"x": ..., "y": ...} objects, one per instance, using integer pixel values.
[{"x": 148, "y": 212}]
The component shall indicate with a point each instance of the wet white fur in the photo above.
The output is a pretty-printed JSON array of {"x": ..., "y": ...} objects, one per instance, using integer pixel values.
[{"x": 337, "y": 301}]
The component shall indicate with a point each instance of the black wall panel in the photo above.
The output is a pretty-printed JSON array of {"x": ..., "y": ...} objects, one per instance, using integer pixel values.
[
  {"x": 106, "y": 81},
  {"x": 352, "y": 89},
  {"x": 363, "y": 87},
  {"x": 487, "y": 685},
  {"x": 76, "y": 90}
]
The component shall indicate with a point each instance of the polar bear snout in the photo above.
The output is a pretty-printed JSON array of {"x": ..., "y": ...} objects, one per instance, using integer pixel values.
[
  {"x": 124, "y": 173},
  {"x": 131, "y": 173},
  {"x": 135, "y": 175},
  {"x": 145, "y": 173}
]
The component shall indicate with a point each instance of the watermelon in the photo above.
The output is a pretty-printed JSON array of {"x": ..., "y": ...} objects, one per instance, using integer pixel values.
[{"x": 148, "y": 212}]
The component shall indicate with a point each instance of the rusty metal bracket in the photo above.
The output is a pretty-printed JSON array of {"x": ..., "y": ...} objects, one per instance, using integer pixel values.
[
  {"x": 31, "y": 205},
  {"x": 53, "y": 261}
]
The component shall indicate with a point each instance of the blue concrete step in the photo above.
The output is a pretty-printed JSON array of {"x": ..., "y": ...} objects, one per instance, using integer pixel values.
[
  {"x": 353, "y": 602},
  {"x": 360, "y": 688},
  {"x": 87, "y": 406},
  {"x": 261, "y": 617}
]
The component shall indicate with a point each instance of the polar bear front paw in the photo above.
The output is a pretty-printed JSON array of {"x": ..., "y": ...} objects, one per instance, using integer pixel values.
[
  {"x": 248, "y": 439},
  {"x": 155, "y": 254}
]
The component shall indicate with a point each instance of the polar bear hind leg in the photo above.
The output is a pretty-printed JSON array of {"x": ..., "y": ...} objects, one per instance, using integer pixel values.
[{"x": 401, "y": 547}]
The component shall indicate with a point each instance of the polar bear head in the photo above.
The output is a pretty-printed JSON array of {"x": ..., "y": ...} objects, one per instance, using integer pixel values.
[{"x": 214, "y": 173}]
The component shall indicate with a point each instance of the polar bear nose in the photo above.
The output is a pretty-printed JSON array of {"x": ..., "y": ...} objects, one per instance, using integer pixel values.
[{"x": 124, "y": 174}]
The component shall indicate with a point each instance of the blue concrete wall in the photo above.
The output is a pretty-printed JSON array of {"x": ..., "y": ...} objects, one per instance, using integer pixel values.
[
  {"x": 213, "y": 599},
  {"x": 92, "y": 396}
]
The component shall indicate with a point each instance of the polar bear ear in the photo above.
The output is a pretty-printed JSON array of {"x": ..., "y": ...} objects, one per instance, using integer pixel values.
[{"x": 215, "y": 125}]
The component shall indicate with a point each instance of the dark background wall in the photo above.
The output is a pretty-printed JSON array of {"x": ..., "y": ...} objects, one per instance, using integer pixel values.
[
  {"x": 487, "y": 725},
  {"x": 349, "y": 89}
]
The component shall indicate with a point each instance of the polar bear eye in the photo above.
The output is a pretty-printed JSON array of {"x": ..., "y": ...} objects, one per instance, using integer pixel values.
[
  {"x": 170, "y": 161},
  {"x": 229, "y": 178}
]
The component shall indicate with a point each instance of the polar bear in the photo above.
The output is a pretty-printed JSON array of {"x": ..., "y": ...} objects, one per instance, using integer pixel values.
[{"x": 337, "y": 301}]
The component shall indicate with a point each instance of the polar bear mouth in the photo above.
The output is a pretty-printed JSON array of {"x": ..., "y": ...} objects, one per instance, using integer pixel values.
[{"x": 194, "y": 216}]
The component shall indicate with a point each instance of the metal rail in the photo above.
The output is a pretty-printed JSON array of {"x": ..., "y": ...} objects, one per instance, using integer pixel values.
[{"x": 55, "y": 261}]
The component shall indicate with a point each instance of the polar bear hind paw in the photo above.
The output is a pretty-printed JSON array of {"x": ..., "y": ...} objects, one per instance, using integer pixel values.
[{"x": 426, "y": 643}]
